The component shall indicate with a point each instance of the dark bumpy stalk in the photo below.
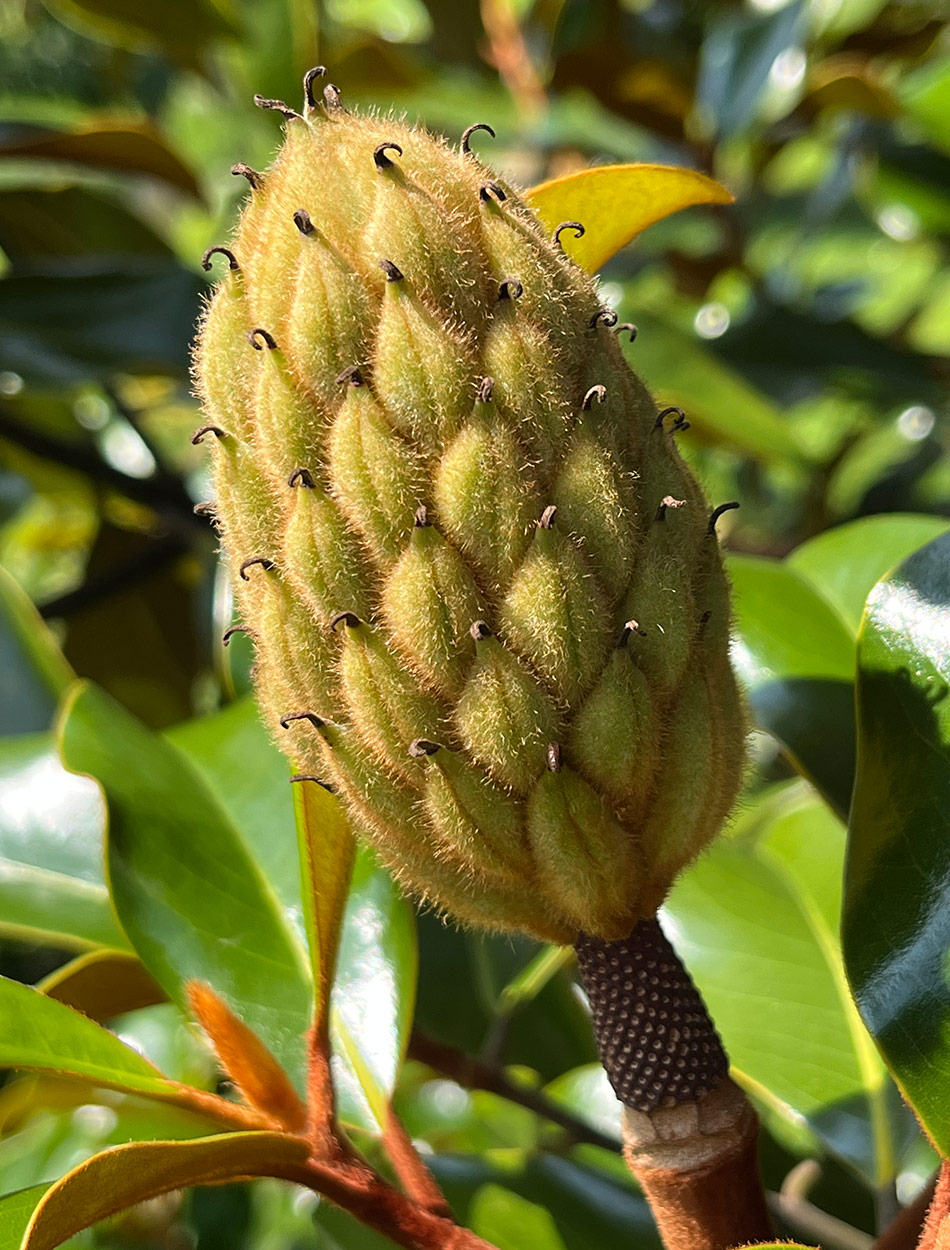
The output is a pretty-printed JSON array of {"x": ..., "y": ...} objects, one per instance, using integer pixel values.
[
  {"x": 689, "y": 1132},
  {"x": 656, "y": 1040}
]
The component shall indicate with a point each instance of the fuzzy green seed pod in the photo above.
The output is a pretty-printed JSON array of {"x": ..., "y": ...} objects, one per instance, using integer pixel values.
[{"x": 486, "y": 595}]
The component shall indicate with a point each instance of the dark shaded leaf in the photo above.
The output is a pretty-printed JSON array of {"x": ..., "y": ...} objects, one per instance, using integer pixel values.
[
  {"x": 125, "y": 149},
  {"x": 33, "y": 672},
  {"x": 86, "y": 322},
  {"x": 68, "y": 221},
  {"x": 896, "y": 927}
]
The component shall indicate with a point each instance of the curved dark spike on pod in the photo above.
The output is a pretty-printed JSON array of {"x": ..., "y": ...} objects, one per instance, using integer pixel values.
[
  {"x": 666, "y": 412},
  {"x": 680, "y": 423},
  {"x": 656, "y": 1040},
  {"x": 553, "y": 757},
  {"x": 419, "y": 748},
  {"x": 576, "y": 226},
  {"x": 324, "y": 785},
  {"x": 288, "y": 718},
  {"x": 491, "y": 191},
  {"x": 332, "y": 100},
  {"x": 603, "y": 317},
  {"x": 349, "y": 619},
  {"x": 393, "y": 272},
  {"x": 220, "y": 251},
  {"x": 717, "y": 513},
  {"x": 485, "y": 389},
  {"x": 278, "y": 106},
  {"x": 421, "y": 519},
  {"x": 351, "y": 376},
  {"x": 255, "y": 179},
  {"x": 198, "y": 436},
  {"x": 667, "y": 502},
  {"x": 598, "y": 392},
  {"x": 309, "y": 99},
  {"x": 510, "y": 289},
  {"x": 630, "y": 627},
  {"x": 235, "y": 629},
  {"x": 546, "y": 520},
  {"x": 302, "y": 221},
  {"x": 630, "y": 328},
  {"x": 467, "y": 134},
  {"x": 381, "y": 160},
  {"x": 259, "y": 339},
  {"x": 479, "y": 630},
  {"x": 263, "y": 561},
  {"x": 302, "y": 477}
]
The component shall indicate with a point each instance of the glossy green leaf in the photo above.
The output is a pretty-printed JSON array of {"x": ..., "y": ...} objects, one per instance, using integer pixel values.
[
  {"x": 52, "y": 887},
  {"x": 588, "y": 1094},
  {"x": 250, "y": 778},
  {"x": 373, "y": 994},
  {"x": 125, "y": 1175},
  {"x": 796, "y": 660},
  {"x": 124, "y": 149},
  {"x": 511, "y": 1222},
  {"x": 190, "y": 897},
  {"x": 760, "y": 912},
  {"x": 843, "y": 564},
  {"x": 16, "y": 1211},
  {"x": 616, "y": 202},
  {"x": 327, "y": 847},
  {"x": 376, "y": 964},
  {"x": 682, "y": 370},
  {"x": 896, "y": 927},
  {"x": 33, "y": 672},
  {"x": 40, "y": 1033}
]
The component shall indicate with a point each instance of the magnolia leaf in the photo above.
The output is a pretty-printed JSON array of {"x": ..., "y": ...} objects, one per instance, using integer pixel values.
[
  {"x": 896, "y": 919},
  {"x": 103, "y": 984},
  {"x": 327, "y": 848},
  {"x": 614, "y": 203},
  {"x": 125, "y": 1175},
  {"x": 41, "y": 1034},
  {"x": 16, "y": 1211}
]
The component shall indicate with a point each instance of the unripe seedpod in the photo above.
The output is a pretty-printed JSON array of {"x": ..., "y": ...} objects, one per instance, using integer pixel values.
[{"x": 485, "y": 592}]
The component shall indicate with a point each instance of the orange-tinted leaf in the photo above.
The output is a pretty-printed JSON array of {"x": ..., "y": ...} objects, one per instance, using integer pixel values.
[
  {"x": 121, "y": 1177},
  {"x": 247, "y": 1061},
  {"x": 616, "y": 202}
]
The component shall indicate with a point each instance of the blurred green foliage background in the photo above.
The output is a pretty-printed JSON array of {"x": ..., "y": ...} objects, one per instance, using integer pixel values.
[{"x": 805, "y": 330}]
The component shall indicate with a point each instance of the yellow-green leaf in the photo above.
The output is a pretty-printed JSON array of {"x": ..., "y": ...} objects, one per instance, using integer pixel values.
[
  {"x": 327, "y": 848},
  {"x": 119, "y": 1178},
  {"x": 616, "y": 202}
]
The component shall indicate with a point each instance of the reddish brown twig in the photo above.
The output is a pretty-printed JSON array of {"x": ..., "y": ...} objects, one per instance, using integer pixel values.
[
  {"x": 414, "y": 1176},
  {"x": 904, "y": 1231},
  {"x": 936, "y": 1230}
]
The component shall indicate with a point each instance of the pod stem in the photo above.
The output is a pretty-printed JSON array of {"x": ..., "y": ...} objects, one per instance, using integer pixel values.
[{"x": 689, "y": 1132}]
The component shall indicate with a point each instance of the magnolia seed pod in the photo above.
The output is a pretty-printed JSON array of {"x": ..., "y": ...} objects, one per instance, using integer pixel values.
[{"x": 462, "y": 538}]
